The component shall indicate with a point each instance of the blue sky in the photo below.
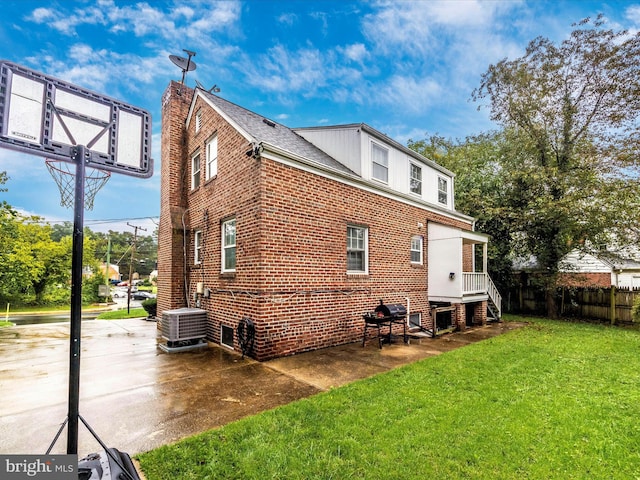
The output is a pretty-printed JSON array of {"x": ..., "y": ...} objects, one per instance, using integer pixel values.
[{"x": 405, "y": 68}]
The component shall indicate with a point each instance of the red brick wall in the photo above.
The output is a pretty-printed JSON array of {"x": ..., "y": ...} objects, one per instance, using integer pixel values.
[
  {"x": 602, "y": 280},
  {"x": 291, "y": 225}
]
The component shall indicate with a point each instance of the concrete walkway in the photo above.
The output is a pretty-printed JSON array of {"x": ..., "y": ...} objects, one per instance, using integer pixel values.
[{"x": 136, "y": 397}]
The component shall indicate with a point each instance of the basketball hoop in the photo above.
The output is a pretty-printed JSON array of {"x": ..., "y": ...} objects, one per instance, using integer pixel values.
[{"x": 64, "y": 174}]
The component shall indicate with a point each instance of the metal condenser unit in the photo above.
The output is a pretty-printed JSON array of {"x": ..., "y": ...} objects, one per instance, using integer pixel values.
[{"x": 183, "y": 324}]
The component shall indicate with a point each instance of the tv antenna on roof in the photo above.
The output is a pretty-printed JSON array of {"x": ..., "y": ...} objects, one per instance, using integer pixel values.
[
  {"x": 184, "y": 63},
  {"x": 214, "y": 89}
]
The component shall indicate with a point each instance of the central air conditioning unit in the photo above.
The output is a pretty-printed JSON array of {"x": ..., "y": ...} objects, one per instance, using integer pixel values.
[{"x": 183, "y": 329}]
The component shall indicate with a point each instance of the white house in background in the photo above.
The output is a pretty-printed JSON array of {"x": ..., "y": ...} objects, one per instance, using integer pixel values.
[{"x": 602, "y": 269}]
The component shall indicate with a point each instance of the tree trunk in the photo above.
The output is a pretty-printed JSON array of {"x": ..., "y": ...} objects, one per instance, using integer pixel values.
[{"x": 552, "y": 307}]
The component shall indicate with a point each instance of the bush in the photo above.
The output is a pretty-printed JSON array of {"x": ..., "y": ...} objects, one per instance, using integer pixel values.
[
  {"x": 635, "y": 310},
  {"x": 151, "y": 306}
]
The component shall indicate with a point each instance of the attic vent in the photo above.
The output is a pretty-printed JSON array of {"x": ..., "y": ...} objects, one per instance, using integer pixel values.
[{"x": 269, "y": 122}]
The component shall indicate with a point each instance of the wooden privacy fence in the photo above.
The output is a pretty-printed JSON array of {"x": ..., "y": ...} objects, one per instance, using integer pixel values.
[{"x": 608, "y": 304}]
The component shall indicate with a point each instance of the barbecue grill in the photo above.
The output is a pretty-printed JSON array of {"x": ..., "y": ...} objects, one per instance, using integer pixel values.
[{"x": 385, "y": 316}]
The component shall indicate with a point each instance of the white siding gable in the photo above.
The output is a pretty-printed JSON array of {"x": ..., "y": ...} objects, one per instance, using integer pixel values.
[
  {"x": 578, "y": 262},
  {"x": 353, "y": 146},
  {"x": 342, "y": 143}
]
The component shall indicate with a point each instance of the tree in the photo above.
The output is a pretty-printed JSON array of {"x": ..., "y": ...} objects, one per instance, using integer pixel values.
[
  {"x": 146, "y": 251},
  {"x": 572, "y": 110}
]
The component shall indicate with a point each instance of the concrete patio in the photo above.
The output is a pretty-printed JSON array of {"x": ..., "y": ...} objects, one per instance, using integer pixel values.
[{"x": 137, "y": 397}]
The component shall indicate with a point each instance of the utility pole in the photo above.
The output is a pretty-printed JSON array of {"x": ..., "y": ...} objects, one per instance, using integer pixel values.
[
  {"x": 133, "y": 251},
  {"x": 106, "y": 270}
]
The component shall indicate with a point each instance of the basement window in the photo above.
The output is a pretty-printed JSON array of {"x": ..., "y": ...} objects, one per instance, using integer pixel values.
[
  {"x": 415, "y": 319},
  {"x": 226, "y": 336}
]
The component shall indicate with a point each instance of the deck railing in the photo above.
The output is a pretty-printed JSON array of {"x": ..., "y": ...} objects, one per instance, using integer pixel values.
[{"x": 473, "y": 283}]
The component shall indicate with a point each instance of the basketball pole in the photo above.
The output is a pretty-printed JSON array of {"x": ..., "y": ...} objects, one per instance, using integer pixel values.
[{"x": 73, "y": 415}]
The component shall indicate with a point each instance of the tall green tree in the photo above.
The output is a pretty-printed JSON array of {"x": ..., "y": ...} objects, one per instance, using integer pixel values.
[{"x": 573, "y": 110}]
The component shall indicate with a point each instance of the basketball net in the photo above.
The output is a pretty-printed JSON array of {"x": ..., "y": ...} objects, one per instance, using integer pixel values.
[{"x": 64, "y": 174}]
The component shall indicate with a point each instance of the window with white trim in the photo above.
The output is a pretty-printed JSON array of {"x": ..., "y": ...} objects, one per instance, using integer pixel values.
[
  {"x": 229, "y": 245},
  {"x": 415, "y": 179},
  {"x": 195, "y": 171},
  {"x": 416, "y": 249},
  {"x": 198, "y": 120},
  {"x": 415, "y": 319},
  {"x": 357, "y": 249},
  {"x": 211, "y": 152},
  {"x": 380, "y": 163},
  {"x": 442, "y": 190},
  {"x": 197, "y": 247}
]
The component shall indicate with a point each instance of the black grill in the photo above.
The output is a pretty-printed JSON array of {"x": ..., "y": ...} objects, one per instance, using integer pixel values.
[
  {"x": 384, "y": 316},
  {"x": 393, "y": 310}
]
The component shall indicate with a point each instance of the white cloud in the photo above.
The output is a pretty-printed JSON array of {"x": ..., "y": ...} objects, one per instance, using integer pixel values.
[
  {"x": 356, "y": 52},
  {"x": 410, "y": 94},
  {"x": 633, "y": 14},
  {"x": 287, "y": 19},
  {"x": 197, "y": 19}
]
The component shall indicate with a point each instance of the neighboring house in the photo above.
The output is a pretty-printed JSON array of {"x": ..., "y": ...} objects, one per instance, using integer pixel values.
[
  {"x": 600, "y": 269},
  {"x": 112, "y": 273},
  {"x": 305, "y": 230}
]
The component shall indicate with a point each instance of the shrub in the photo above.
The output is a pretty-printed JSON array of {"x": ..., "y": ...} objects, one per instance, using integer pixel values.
[
  {"x": 635, "y": 310},
  {"x": 151, "y": 306}
]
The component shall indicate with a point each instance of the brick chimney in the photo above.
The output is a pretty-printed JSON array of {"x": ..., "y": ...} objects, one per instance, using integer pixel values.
[{"x": 173, "y": 189}]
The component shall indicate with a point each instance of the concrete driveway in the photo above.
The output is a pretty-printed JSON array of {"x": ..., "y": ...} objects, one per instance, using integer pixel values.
[{"x": 136, "y": 397}]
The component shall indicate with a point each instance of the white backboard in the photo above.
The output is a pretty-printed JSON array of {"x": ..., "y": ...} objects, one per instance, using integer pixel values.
[{"x": 45, "y": 116}]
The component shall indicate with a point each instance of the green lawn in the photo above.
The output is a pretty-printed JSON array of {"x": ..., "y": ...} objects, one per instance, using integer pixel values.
[
  {"x": 122, "y": 313},
  {"x": 554, "y": 400}
]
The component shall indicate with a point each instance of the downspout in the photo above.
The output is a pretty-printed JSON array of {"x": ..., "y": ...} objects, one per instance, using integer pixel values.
[
  {"x": 184, "y": 254},
  {"x": 408, "y": 311}
]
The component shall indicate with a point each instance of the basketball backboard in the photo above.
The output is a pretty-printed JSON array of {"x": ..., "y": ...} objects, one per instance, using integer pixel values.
[{"x": 45, "y": 116}]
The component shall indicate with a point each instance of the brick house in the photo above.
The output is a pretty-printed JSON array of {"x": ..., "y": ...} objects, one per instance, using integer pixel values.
[{"x": 304, "y": 230}]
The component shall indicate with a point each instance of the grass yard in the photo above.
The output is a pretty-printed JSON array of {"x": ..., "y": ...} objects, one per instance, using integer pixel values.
[
  {"x": 122, "y": 313},
  {"x": 554, "y": 400}
]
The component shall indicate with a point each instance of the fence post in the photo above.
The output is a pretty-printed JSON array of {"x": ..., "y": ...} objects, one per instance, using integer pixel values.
[{"x": 613, "y": 305}]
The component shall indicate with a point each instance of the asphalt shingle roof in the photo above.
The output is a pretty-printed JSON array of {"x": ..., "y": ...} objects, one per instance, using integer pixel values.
[{"x": 267, "y": 131}]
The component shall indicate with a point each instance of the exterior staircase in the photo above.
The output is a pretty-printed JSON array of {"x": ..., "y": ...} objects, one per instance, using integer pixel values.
[{"x": 494, "y": 303}]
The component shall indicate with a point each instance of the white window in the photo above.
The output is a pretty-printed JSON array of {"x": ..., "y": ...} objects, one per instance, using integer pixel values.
[
  {"x": 416, "y": 249},
  {"x": 212, "y": 157},
  {"x": 197, "y": 247},
  {"x": 442, "y": 190},
  {"x": 380, "y": 163},
  {"x": 415, "y": 179},
  {"x": 229, "y": 245},
  {"x": 357, "y": 254},
  {"x": 195, "y": 171},
  {"x": 198, "y": 120}
]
